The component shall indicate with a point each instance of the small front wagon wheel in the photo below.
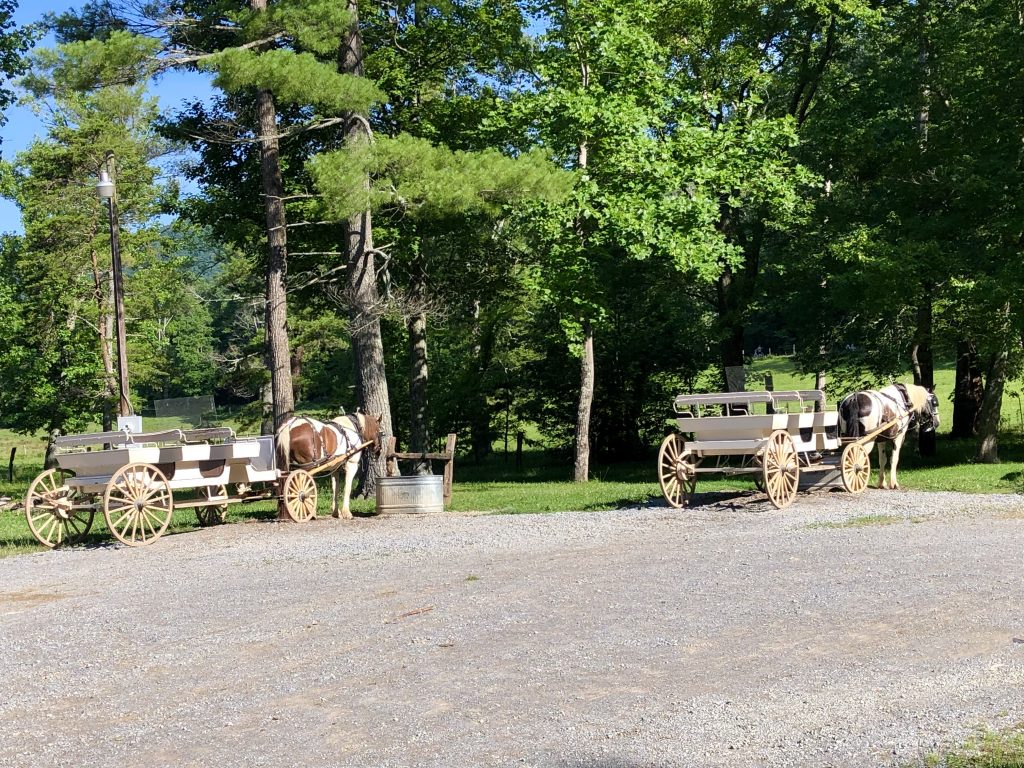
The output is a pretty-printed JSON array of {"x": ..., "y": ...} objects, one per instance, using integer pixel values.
[
  {"x": 856, "y": 468},
  {"x": 677, "y": 471},
  {"x": 781, "y": 468},
  {"x": 138, "y": 504},
  {"x": 215, "y": 514},
  {"x": 300, "y": 496},
  {"x": 56, "y": 513}
]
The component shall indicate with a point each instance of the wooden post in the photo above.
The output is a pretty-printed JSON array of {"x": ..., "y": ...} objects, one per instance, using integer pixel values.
[
  {"x": 820, "y": 382},
  {"x": 769, "y": 386},
  {"x": 10, "y": 466},
  {"x": 392, "y": 457},
  {"x": 389, "y": 456},
  {"x": 520, "y": 436},
  {"x": 449, "y": 469}
]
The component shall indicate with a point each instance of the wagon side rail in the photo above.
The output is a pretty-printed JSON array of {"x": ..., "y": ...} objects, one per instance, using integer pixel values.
[
  {"x": 683, "y": 403},
  {"x": 124, "y": 437}
]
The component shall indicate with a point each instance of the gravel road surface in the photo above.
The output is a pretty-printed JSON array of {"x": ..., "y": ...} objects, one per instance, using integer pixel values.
[{"x": 731, "y": 634}]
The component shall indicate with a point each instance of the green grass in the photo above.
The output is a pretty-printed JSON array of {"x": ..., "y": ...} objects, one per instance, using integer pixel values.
[{"x": 989, "y": 748}]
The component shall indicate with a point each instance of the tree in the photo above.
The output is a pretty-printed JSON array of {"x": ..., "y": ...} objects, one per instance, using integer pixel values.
[
  {"x": 430, "y": 191},
  {"x": 58, "y": 373},
  {"x": 914, "y": 232},
  {"x": 674, "y": 163},
  {"x": 361, "y": 273}
]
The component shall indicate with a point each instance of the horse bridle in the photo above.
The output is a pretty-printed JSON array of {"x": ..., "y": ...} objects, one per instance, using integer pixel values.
[{"x": 926, "y": 421}]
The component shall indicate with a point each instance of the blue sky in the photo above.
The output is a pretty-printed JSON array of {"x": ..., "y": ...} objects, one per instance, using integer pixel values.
[{"x": 23, "y": 126}]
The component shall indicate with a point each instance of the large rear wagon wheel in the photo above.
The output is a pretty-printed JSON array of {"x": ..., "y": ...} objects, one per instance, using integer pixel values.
[
  {"x": 677, "y": 471},
  {"x": 57, "y": 514},
  {"x": 300, "y": 496},
  {"x": 780, "y": 468},
  {"x": 138, "y": 504},
  {"x": 856, "y": 467}
]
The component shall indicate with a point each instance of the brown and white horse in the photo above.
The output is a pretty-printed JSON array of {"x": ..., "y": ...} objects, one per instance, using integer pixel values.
[
  {"x": 306, "y": 443},
  {"x": 862, "y": 413}
]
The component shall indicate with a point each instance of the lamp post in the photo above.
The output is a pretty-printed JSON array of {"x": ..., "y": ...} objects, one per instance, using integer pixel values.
[{"x": 105, "y": 190}]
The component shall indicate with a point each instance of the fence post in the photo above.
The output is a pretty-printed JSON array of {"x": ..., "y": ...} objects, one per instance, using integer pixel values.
[
  {"x": 10, "y": 466},
  {"x": 449, "y": 468},
  {"x": 390, "y": 462}
]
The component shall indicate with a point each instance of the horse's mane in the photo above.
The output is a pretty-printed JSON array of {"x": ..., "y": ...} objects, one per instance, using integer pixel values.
[{"x": 918, "y": 397}]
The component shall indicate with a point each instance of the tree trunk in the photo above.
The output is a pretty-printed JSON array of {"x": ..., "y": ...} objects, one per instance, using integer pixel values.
[
  {"x": 968, "y": 392},
  {"x": 50, "y": 457},
  {"x": 361, "y": 275},
  {"x": 582, "y": 466},
  {"x": 419, "y": 432},
  {"x": 735, "y": 290},
  {"x": 479, "y": 408},
  {"x": 267, "y": 399},
  {"x": 923, "y": 363},
  {"x": 991, "y": 410},
  {"x": 581, "y": 469},
  {"x": 731, "y": 344},
  {"x": 296, "y": 367},
  {"x": 278, "y": 356}
]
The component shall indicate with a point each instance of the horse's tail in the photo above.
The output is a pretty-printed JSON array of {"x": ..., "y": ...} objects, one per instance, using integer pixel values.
[
  {"x": 283, "y": 439},
  {"x": 851, "y": 409}
]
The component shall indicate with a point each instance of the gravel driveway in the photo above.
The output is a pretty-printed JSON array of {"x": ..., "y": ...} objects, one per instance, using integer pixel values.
[{"x": 732, "y": 634}]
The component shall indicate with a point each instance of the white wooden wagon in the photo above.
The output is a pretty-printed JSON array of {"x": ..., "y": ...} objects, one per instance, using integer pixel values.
[
  {"x": 132, "y": 479},
  {"x": 770, "y": 436}
]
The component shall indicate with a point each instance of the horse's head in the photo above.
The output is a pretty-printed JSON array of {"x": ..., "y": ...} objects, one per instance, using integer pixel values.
[
  {"x": 370, "y": 427},
  {"x": 924, "y": 407},
  {"x": 928, "y": 421}
]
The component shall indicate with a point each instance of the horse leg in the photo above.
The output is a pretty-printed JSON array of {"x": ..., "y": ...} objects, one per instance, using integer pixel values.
[
  {"x": 350, "y": 473},
  {"x": 896, "y": 445},
  {"x": 334, "y": 494},
  {"x": 882, "y": 460}
]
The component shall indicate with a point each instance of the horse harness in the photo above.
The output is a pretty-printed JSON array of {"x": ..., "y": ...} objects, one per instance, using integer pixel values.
[
  {"x": 905, "y": 416},
  {"x": 322, "y": 456}
]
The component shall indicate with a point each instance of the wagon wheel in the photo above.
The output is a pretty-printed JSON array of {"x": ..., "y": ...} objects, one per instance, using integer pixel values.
[
  {"x": 856, "y": 467},
  {"x": 677, "y": 471},
  {"x": 300, "y": 496},
  {"x": 214, "y": 514},
  {"x": 137, "y": 504},
  {"x": 57, "y": 514},
  {"x": 780, "y": 468}
]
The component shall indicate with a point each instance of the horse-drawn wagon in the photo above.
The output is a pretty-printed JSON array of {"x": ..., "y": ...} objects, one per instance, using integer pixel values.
[
  {"x": 132, "y": 479},
  {"x": 770, "y": 436}
]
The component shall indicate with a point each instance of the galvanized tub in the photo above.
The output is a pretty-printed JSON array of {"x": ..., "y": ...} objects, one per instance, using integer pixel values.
[{"x": 415, "y": 494}]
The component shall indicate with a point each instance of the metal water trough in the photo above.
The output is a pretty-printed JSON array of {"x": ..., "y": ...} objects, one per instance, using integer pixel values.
[{"x": 413, "y": 494}]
